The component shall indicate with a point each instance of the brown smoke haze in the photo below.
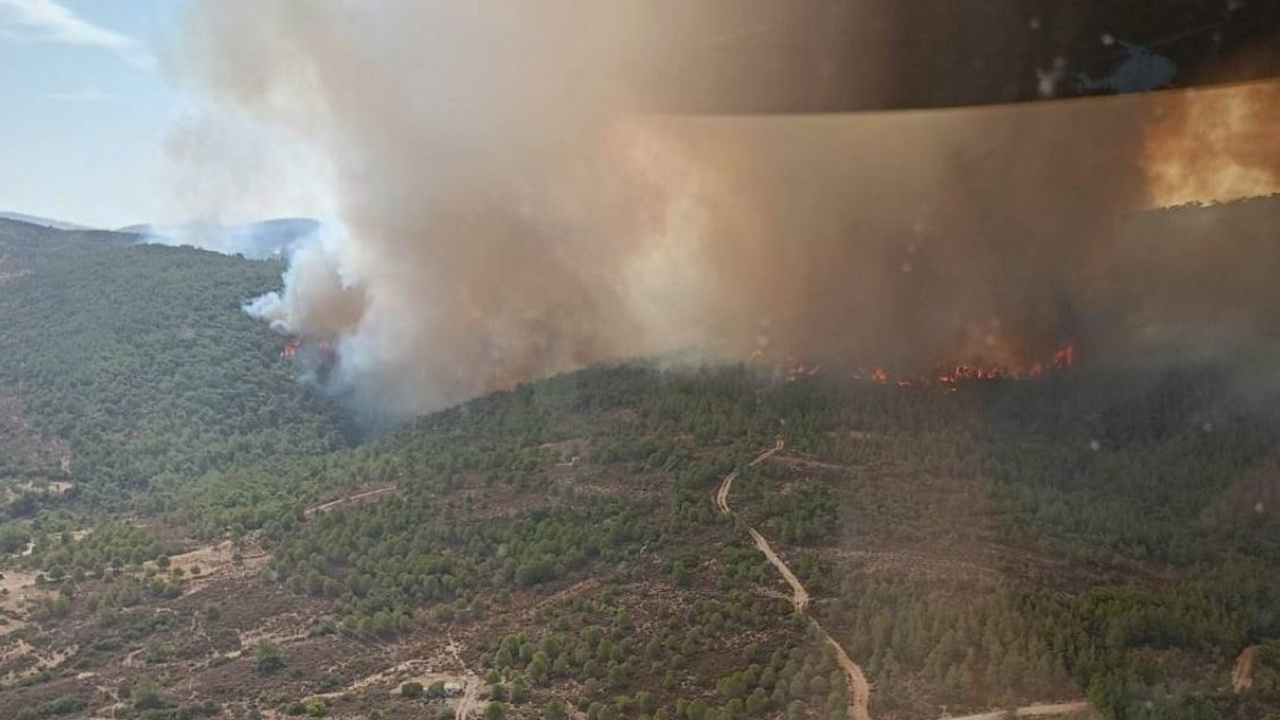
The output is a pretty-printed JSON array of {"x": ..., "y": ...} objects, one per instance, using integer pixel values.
[
  {"x": 1215, "y": 145},
  {"x": 509, "y": 212}
]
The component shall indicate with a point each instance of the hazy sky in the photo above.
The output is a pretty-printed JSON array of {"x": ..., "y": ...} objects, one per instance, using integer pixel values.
[{"x": 85, "y": 109}]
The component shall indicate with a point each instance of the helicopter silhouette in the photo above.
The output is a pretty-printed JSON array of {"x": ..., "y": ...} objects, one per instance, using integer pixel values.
[{"x": 1140, "y": 70}]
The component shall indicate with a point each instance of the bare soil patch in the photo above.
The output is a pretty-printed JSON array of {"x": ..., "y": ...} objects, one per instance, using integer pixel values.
[
  {"x": 18, "y": 589},
  {"x": 1242, "y": 673}
]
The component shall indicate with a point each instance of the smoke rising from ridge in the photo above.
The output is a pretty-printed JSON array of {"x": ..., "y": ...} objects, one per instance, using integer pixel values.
[{"x": 509, "y": 213}]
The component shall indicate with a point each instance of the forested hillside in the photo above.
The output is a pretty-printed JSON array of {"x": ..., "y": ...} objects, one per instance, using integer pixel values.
[
  {"x": 127, "y": 366},
  {"x": 1104, "y": 534},
  {"x": 188, "y": 533}
]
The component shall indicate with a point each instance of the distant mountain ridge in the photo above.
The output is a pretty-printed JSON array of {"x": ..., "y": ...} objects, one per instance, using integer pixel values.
[
  {"x": 274, "y": 238},
  {"x": 263, "y": 239},
  {"x": 43, "y": 221}
]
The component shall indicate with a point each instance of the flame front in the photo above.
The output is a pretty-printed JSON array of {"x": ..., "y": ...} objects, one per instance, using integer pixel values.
[
  {"x": 951, "y": 376},
  {"x": 1207, "y": 146}
]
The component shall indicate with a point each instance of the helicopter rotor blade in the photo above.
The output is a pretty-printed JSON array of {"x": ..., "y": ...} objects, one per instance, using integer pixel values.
[{"x": 1168, "y": 40}]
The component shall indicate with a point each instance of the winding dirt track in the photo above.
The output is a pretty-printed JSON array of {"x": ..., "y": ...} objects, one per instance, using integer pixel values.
[{"x": 860, "y": 689}]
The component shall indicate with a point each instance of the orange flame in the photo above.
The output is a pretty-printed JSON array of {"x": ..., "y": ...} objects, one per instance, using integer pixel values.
[
  {"x": 291, "y": 347},
  {"x": 295, "y": 343},
  {"x": 799, "y": 370},
  {"x": 1062, "y": 358},
  {"x": 1216, "y": 145}
]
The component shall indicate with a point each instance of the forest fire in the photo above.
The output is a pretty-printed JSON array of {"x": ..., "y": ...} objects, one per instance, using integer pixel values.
[
  {"x": 296, "y": 343},
  {"x": 1213, "y": 145},
  {"x": 946, "y": 376},
  {"x": 800, "y": 370},
  {"x": 949, "y": 377},
  {"x": 291, "y": 347}
]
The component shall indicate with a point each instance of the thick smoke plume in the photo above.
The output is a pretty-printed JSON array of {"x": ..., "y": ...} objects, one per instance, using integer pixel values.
[{"x": 509, "y": 211}]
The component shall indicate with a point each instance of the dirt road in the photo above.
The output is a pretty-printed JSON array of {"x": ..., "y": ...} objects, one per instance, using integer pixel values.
[
  {"x": 352, "y": 498},
  {"x": 1242, "y": 673},
  {"x": 1031, "y": 711},
  {"x": 470, "y": 698},
  {"x": 859, "y": 688},
  {"x": 470, "y": 683},
  {"x": 799, "y": 596},
  {"x": 726, "y": 485}
]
